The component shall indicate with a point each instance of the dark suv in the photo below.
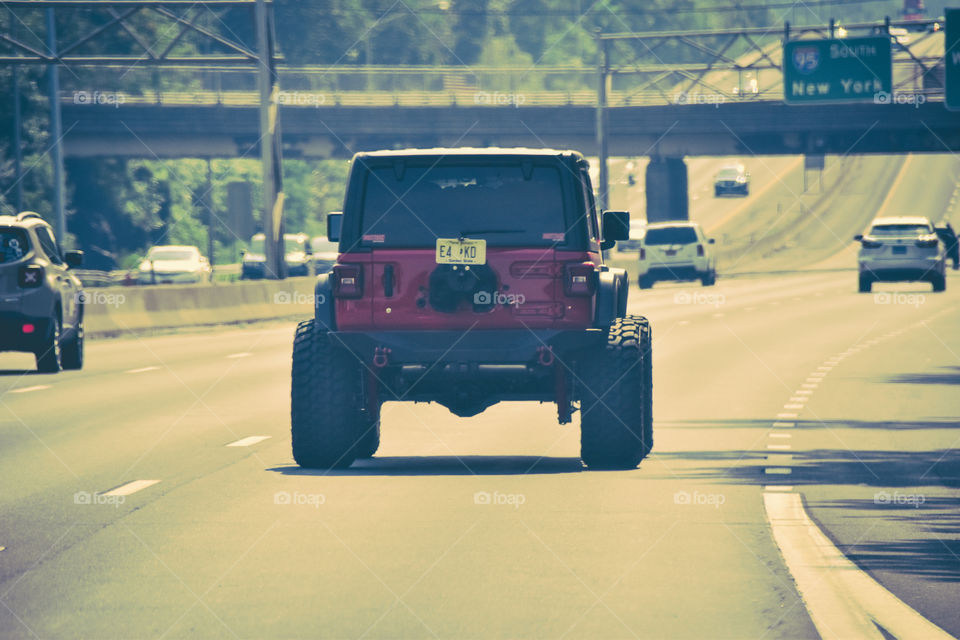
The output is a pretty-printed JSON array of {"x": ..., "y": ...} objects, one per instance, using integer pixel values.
[
  {"x": 468, "y": 277},
  {"x": 41, "y": 301}
]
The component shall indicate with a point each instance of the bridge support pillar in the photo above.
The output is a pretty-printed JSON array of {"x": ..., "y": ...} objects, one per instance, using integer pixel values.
[{"x": 667, "y": 190}]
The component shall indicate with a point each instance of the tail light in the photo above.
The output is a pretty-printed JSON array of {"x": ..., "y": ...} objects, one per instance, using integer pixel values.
[
  {"x": 580, "y": 279},
  {"x": 348, "y": 281},
  {"x": 870, "y": 243},
  {"x": 30, "y": 276},
  {"x": 643, "y": 253},
  {"x": 927, "y": 242},
  {"x": 700, "y": 250}
]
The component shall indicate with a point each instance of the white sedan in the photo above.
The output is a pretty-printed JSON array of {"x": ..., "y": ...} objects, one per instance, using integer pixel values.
[{"x": 173, "y": 264}]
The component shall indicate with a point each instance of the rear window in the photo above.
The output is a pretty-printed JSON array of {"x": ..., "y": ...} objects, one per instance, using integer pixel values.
[
  {"x": 671, "y": 235},
  {"x": 13, "y": 244},
  {"x": 728, "y": 174},
  {"x": 493, "y": 202},
  {"x": 900, "y": 230}
]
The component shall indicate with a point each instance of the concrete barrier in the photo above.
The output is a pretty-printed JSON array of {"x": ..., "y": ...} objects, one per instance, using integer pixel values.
[{"x": 114, "y": 310}]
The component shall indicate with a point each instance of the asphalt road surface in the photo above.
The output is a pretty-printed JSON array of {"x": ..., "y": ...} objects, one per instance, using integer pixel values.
[{"x": 125, "y": 512}]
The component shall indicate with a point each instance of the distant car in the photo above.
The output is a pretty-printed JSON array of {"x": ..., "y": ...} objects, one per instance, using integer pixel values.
[
  {"x": 325, "y": 254},
  {"x": 901, "y": 249},
  {"x": 41, "y": 300},
  {"x": 950, "y": 243},
  {"x": 733, "y": 180},
  {"x": 173, "y": 264},
  {"x": 297, "y": 253},
  {"x": 676, "y": 251}
]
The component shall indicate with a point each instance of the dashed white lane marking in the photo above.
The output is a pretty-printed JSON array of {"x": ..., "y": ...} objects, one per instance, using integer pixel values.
[
  {"x": 749, "y": 308},
  {"x": 143, "y": 370},
  {"x": 781, "y": 435},
  {"x": 249, "y": 440},
  {"x": 778, "y": 471},
  {"x": 811, "y": 385},
  {"x": 718, "y": 315},
  {"x": 784, "y": 425},
  {"x": 818, "y": 375},
  {"x": 36, "y": 387},
  {"x": 798, "y": 399},
  {"x": 843, "y": 601},
  {"x": 131, "y": 487},
  {"x": 786, "y": 415},
  {"x": 242, "y": 354},
  {"x": 792, "y": 406},
  {"x": 683, "y": 322},
  {"x": 779, "y": 447},
  {"x": 778, "y": 487},
  {"x": 824, "y": 368},
  {"x": 803, "y": 392}
]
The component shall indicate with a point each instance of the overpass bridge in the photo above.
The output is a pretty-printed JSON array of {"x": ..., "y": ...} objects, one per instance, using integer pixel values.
[{"x": 677, "y": 94}]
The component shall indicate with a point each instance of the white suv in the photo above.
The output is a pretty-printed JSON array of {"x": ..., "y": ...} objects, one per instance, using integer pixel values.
[
  {"x": 676, "y": 251},
  {"x": 902, "y": 249}
]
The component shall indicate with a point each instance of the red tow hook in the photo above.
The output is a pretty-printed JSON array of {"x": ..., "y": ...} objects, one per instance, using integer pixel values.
[
  {"x": 545, "y": 356},
  {"x": 381, "y": 357}
]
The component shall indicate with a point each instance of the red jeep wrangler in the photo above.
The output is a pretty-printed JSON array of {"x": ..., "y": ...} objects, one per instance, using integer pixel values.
[{"x": 468, "y": 277}]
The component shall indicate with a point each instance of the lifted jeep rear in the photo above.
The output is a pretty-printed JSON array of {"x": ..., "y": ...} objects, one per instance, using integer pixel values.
[{"x": 469, "y": 277}]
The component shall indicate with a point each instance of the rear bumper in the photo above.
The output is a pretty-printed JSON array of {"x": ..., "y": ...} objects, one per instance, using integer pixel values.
[
  {"x": 903, "y": 270},
  {"x": 467, "y": 348},
  {"x": 12, "y": 337},
  {"x": 675, "y": 272}
]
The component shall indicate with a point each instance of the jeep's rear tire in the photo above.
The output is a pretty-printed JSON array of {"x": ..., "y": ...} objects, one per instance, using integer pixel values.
[
  {"x": 865, "y": 283},
  {"x": 49, "y": 354},
  {"x": 616, "y": 426},
  {"x": 709, "y": 279},
  {"x": 645, "y": 282},
  {"x": 71, "y": 356},
  {"x": 323, "y": 401}
]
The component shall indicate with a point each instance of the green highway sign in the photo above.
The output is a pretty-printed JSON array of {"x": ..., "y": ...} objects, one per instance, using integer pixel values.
[
  {"x": 837, "y": 70},
  {"x": 951, "y": 60}
]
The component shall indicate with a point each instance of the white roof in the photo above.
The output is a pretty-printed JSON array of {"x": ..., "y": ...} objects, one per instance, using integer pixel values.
[
  {"x": 901, "y": 220},
  {"x": 672, "y": 223}
]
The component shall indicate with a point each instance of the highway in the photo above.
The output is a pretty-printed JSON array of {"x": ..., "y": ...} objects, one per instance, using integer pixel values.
[
  {"x": 237, "y": 541},
  {"x": 804, "y": 481}
]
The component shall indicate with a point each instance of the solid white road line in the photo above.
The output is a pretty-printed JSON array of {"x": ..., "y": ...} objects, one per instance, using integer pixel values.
[
  {"x": 131, "y": 487},
  {"x": 143, "y": 370},
  {"x": 242, "y": 354},
  {"x": 246, "y": 442},
  {"x": 843, "y": 601},
  {"x": 38, "y": 387}
]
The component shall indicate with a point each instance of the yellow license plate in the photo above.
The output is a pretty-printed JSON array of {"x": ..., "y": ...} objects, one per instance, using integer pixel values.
[{"x": 456, "y": 251}]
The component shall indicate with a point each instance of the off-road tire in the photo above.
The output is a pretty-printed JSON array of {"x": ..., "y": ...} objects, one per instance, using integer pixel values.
[
  {"x": 616, "y": 412},
  {"x": 865, "y": 283},
  {"x": 939, "y": 282},
  {"x": 71, "y": 355},
  {"x": 709, "y": 279},
  {"x": 645, "y": 282},
  {"x": 323, "y": 401},
  {"x": 49, "y": 355}
]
